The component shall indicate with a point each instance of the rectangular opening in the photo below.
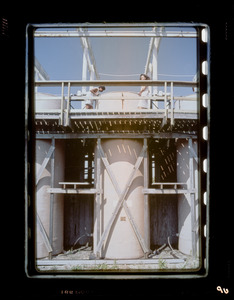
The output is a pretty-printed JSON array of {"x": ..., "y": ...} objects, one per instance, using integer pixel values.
[{"x": 78, "y": 209}]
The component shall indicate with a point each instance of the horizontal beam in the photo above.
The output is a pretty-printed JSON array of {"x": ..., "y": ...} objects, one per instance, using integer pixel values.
[
  {"x": 61, "y": 136},
  {"x": 112, "y": 33},
  {"x": 166, "y": 191},
  {"x": 75, "y": 262},
  {"x": 103, "y": 115},
  {"x": 74, "y": 183},
  {"x": 71, "y": 191},
  {"x": 154, "y": 114},
  {"x": 73, "y": 83},
  {"x": 106, "y": 97},
  {"x": 135, "y": 97},
  {"x": 169, "y": 183},
  {"x": 125, "y": 25}
]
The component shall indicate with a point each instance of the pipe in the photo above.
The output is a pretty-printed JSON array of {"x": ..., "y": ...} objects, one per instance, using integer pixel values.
[
  {"x": 168, "y": 240},
  {"x": 158, "y": 251},
  {"x": 86, "y": 234}
]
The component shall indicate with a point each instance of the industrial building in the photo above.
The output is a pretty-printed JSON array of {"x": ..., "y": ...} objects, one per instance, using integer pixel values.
[{"x": 124, "y": 181}]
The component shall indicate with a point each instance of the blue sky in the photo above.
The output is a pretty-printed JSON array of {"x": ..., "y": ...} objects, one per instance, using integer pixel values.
[{"x": 62, "y": 58}]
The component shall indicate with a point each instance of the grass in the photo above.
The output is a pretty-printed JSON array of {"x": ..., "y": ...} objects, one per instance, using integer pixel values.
[{"x": 162, "y": 264}]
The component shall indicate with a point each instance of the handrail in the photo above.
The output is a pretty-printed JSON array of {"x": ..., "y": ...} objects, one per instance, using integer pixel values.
[
  {"x": 116, "y": 83},
  {"x": 167, "y": 98},
  {"x": 174, "y": 184}
]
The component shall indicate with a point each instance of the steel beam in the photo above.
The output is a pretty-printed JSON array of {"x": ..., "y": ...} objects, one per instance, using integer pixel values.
[
  {"x": 44, "y": 164},
  {"x": 192, "y": 200},
  {"x": 44, "y": 235},
  {"x": 71, "y": 191},
  {"x": 113, "y": 33},
  {"x": 165, "y": 191},
  {"x": 161, "y": 135},
  {"x": 115, "y": 83},
  {"x": 89, "y": 56},
  {"x": 52, "y": 169}
]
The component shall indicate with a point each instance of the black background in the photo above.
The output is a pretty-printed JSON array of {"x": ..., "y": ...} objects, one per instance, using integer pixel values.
[{"x": 220, "y": 18}]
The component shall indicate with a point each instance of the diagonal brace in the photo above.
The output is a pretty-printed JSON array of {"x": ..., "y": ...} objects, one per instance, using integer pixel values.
[
  {"x": 45, "y": 162},
  {"x": 44, "y": 235}
]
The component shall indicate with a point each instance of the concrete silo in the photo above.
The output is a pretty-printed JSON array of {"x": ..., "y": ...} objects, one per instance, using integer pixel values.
[{"x": 49, "y": 171}]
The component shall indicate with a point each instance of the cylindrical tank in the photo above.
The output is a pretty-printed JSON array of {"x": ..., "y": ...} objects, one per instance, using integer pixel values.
[
  {"x": 189, "y": 105},
  {"x": 43, "y": 197},
  {"x": 184, "y": 201},
  {"x": 47, "y": 101},
  {"x": 122, "y": 242},
  {"x": 107, "y": 101},
  {"x": 122, "y": 155}
]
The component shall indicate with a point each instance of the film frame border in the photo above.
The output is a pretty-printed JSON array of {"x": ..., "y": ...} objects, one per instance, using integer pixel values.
[{"x": 203, "y": 137}]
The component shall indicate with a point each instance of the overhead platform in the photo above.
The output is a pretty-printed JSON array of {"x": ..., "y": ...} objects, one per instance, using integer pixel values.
[
  {"x": 117, "y": 112},
  {"x": 137, "y": 121}
]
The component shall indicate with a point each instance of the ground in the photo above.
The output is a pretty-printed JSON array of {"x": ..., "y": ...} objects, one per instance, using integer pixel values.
[{"x": 79, "y": 260}]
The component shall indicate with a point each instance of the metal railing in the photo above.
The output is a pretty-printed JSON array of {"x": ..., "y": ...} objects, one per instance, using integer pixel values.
[{"x": 168, "y": 99}]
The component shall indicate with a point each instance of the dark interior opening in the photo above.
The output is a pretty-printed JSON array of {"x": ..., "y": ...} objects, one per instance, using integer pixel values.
[
  {"x": 163, "y": 208},
  {"x": 78, "y": 208}
]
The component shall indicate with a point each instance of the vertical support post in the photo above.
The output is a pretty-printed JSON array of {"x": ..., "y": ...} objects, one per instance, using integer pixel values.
[
  {"x": 68, "y": 105},
  {"x": 98, "y": 198},
  {"x": 172, "y": 104},
  {"x": 155, "y": 64},
  {"x": 90, "y": 169},
  {"x": 62, "y": 106},
  {"x": 151, "y": 88},
  {"x": 84, "y": 68},
  {"x": 146, "y": 200},
  {"x": 164, "y": 121},
  {"x": 192, "y": 200},
  {"x": 165, "y": 98},
  {"x": 92, "y": 78},
  {"x": 51, "y": 196}
]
